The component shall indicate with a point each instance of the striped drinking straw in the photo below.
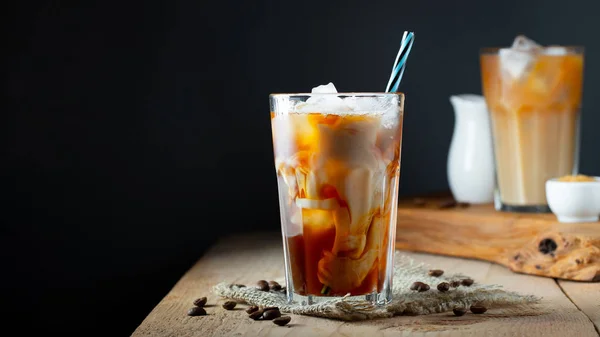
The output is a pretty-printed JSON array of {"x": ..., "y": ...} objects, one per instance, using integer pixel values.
[
  {"x": 400, "y": 64},
  {"x": 397, "y": 71}
]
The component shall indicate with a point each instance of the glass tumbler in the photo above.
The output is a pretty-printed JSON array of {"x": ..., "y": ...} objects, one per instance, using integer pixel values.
[
  {"x": 534, "y": 103},
  {"x": 337, "y": 159}
]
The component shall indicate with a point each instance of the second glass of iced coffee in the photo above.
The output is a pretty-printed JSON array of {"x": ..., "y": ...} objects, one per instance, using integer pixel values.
[{"x": 533, "y": 94}]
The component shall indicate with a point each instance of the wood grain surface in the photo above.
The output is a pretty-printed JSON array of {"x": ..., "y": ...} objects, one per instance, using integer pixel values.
[
  {"x": 247, "y": 259},
  {"x": 533, "y": 244}
]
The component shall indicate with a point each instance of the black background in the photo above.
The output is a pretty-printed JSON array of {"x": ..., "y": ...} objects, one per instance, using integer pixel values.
[{"x": 138, "y": 133}]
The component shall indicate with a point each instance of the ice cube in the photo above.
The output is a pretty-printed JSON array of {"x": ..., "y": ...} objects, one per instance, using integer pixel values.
[
  {"x": 328, "y": 88},
  {"x": 523, "y": 43},
  {"x": 517, "y": 60},
  {"x": 365, "y": 104},
  {"x": 323, "y": 101},
  {"x": 325, "y": 204},
  {"x": 556, "y": 51},
  {"x": 516, "y": 63}
]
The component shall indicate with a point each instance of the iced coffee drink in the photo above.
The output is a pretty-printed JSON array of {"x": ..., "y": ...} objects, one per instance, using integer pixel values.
[
  {"x": 533, "y": 94},
  {"x": 337, "y": 158}
]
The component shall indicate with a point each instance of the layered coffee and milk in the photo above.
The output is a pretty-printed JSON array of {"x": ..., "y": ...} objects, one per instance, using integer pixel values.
[
  {"x": 337, "y": 160},
  {"x": 533, "y": 94}
]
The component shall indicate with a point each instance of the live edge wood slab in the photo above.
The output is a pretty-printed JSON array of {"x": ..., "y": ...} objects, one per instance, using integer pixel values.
[{"x": 535, "y": 244}]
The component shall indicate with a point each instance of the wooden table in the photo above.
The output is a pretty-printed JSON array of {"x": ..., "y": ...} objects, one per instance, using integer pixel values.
[{"x": 568, "y": 308}]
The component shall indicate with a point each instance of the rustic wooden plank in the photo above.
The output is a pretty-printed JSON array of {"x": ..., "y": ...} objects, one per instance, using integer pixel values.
[
  {"x": 569, "y": 251},
  {"x": 247, "y": 259},
  {"x": 559, "y": 313},
  {"x": 586, "y": 296}
]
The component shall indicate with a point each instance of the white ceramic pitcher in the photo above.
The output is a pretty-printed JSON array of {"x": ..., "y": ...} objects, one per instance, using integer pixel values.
[{"x": 470, "y": 158}]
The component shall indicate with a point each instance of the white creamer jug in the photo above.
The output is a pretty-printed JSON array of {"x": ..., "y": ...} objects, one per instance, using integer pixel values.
[{"x": 470, "y": 166}]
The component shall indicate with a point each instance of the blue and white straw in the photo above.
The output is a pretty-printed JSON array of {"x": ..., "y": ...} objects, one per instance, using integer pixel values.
[{"x": 400, "y": 63}]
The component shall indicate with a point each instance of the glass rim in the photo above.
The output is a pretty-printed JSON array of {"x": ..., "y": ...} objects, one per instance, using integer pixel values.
[
  {"x": 572, "y": 49},
  {"x": 347, "y": 94}
]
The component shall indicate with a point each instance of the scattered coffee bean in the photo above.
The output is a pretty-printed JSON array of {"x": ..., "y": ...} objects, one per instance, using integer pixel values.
[
  {"x": 478, "y": 309},
  {"x": 467, "y": 282},
  {"x": 200, "y": 302},
  {"x": 459, "y": 311},
  {"x": 251, "y": 309},
  {"x": 274, "y": 286},
  {"x": 256, "y": 315},
  {"x": 436, "y": 272},
  {"x": 283, "y": 320},
  {"x": 229, "y": 305},
  {"x": 262, "y": 285},
  {"x": 454, "y": 284},
  {"x": 415, "y": 285},
  {"x": 447, "y": 204},
  {"x": 269, "y": 308},
  {"x": 463, "y": 204},
  {"x": 419, "y": 202},
  {"x": 271, "y": 314},
  {"x": 443, "y": 287},
  {"x": 419, "y": 286},
  {"x": 196, "y": 311}
]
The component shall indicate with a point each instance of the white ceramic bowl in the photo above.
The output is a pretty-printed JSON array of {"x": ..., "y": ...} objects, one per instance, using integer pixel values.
[{"x": 574, "y": 201}]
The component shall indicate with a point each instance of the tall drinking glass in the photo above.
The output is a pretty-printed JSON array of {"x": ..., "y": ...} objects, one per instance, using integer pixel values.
[
  {"x": 337, "y": 158},
  {"x": 534, "y": 99}
]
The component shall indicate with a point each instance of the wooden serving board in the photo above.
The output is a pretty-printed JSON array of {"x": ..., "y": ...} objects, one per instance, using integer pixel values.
[{"x": 534, "y": 244}]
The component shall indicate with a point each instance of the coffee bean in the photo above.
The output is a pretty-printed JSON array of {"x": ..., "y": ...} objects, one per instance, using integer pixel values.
[
  {"x": 196, "y": 311},
  {"x": 447, "y": 204},
  {"x": 269, "y": 308},
  {"x": 443, "y": 287},
  {"x": 251, "y": 309},
  {"x": 454, "y": 284},
  {"x": 459, "y": 311},
  {"x": 229, "y": 305},
  {"x": 256, "y": 315},
  {"x": 478, "y": 309},
  {"x": 271, "y": 314},
  {"x": 436, "y": 272},
  {"x": 274, "y": 286},
  {"x": 419, "y": 286},
  {"x": 200, "y": 302},
  {"x": 283, "y": 290},
  {"x": 262, "y": 285},
  {"x": 415, "y": 285},
  {"x": 467, "y": 282},
  {"x": 283, "y": 320}
]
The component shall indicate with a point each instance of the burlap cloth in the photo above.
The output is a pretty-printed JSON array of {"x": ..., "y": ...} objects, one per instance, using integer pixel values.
[{"x": 406, "y": 301}]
